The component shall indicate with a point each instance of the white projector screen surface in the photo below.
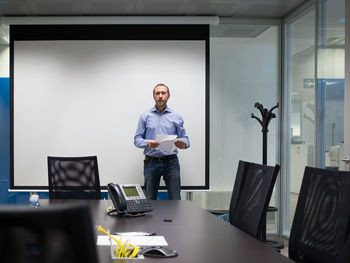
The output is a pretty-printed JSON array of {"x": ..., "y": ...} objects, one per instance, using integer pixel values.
[{"x": 84, "y": 97}]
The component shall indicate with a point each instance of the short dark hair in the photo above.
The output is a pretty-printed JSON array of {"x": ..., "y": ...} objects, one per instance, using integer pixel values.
[{"x": 161, "y": 84}]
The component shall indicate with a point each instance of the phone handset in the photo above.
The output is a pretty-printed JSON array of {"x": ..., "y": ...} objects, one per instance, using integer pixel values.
[
  {"x": 128, "y": 199},
  {"x": 117, "y": 197}
]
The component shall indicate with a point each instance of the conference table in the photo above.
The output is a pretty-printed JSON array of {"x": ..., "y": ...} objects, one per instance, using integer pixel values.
[{"x": 193, "y": 232}]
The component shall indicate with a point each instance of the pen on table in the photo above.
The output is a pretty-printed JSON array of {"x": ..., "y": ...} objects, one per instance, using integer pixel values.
[{"x": 135, "y": 234}]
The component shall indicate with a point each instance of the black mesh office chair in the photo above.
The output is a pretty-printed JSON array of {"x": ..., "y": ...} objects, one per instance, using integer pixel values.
[
  {"x": 251, "y": 196},
  {"x": 53, "y": 234},
  {"x": 73, "y": 178},
  {"x": 321, "y": 226}
]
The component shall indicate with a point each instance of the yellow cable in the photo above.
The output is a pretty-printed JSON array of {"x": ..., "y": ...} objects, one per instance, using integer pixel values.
[
  {"x": 108, "y": 234},
  {"x": 123, "y": 248},
  {"x": 135, "y": 251}
]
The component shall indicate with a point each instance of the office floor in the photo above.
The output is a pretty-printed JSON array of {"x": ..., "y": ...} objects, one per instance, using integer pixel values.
[
  {"x": 284, "y": 240},
  {"x": 271, "y": 223},
  {"x": 293, "y": 204},
  {"x": 285, "y": 250}
]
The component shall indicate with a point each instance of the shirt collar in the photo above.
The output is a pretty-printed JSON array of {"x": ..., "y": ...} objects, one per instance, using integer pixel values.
[{"x": 167, "y": 109}]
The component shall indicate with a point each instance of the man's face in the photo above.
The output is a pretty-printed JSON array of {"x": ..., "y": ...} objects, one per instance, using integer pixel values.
[{"x": 161, "y": 96}]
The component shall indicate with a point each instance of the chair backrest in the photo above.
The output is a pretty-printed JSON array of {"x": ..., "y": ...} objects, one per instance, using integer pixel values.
[
  {"x": 321, "y": 226},
  {"x": 53, "y": 234},
  {"x": 251, "y": 196},
  {"x": 73, "y": 178}
]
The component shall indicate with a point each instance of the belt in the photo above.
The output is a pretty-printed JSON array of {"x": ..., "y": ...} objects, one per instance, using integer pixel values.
[{"x": 164, "y": 158}]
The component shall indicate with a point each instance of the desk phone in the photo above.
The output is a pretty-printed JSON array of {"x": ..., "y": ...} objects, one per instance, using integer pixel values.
[{"x": 128, "y": 199}]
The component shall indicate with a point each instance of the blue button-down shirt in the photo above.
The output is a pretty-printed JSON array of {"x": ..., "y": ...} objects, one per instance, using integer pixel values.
[{"x": 152, "y": 123}]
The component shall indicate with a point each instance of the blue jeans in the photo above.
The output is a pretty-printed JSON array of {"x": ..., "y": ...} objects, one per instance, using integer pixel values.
[{"x": 154, "y": 170}]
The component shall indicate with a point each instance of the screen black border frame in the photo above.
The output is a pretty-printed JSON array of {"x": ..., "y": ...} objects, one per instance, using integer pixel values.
[{"x": 109, "y": 32}]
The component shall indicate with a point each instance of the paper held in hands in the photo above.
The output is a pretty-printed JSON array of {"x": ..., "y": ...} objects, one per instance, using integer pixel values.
[{"x": 166, "y": 142}]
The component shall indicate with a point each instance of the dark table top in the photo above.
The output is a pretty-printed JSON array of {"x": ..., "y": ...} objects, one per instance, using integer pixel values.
[{"x": 193, "y": 232}]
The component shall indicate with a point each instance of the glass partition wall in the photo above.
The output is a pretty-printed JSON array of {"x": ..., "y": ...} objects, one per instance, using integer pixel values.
[
  {"x": 4, "y": 51},
  {"x": 330, "y": 80},
  {"x": 313, "y": 95},
  {"x": 244, "y": 69},
  {"x": 299, "y": 106}
]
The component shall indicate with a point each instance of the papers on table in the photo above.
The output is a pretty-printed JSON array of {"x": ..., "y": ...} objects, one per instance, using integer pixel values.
[
  {"x": 134, "y": 240},
  {"x": 166, "y": 142}
]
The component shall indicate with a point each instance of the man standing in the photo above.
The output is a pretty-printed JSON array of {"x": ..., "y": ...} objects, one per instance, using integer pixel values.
[{"x": 160, "y": 120}]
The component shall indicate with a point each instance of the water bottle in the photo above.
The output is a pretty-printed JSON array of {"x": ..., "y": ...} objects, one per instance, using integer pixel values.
[{"x": 34, "y": 201}]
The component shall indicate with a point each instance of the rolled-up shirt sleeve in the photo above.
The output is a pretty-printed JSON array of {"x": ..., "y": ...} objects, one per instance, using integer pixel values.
[
  {"x": 139, "y": 139},
  {"x": 181, "y": 133}
]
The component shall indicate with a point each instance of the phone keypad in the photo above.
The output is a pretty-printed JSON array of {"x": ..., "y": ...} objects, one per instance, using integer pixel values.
[{"x": 138, "y": 206}]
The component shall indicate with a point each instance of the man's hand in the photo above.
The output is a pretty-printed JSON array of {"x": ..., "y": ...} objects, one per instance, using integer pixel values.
[
  {"x": 180, "y": 144},
  {"x": 152, "y": 144}
]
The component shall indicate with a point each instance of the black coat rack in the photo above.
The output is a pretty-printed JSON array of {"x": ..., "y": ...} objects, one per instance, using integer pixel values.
[{"x": 266, "y": 116}]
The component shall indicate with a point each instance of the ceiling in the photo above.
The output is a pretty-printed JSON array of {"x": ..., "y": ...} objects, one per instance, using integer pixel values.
[
  {"x": 237, "y": 8},
  {"x": 221, "y": 8}
]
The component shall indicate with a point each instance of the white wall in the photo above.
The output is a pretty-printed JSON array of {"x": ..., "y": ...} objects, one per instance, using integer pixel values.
[{"x": 4, "y": 61}]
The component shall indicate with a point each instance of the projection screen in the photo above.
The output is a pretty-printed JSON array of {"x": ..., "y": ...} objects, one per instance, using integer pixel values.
[{"x": 79, "y": 91}]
